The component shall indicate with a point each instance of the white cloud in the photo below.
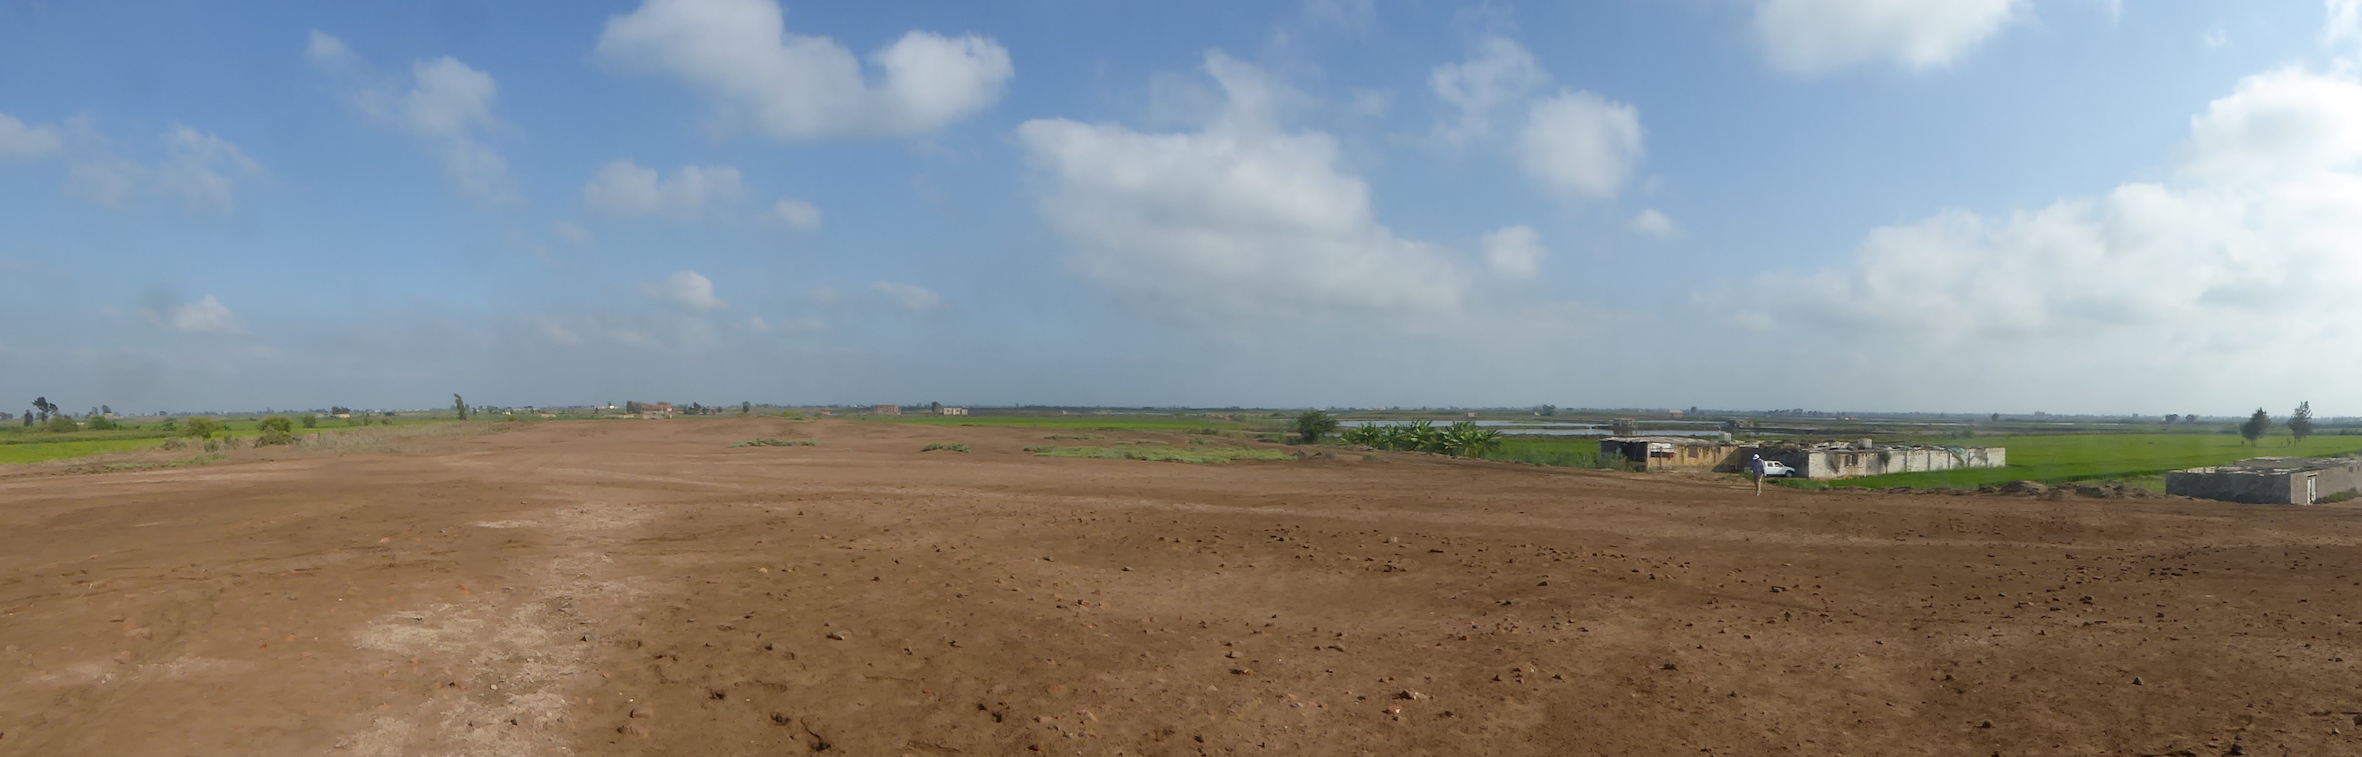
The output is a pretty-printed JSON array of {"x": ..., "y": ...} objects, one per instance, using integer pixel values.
[
  {"x": 2277, "y": 124},
  {"x": 912, "y": 298},
  {"x": 106, "y": 181},
  {"x": 677, "y": 334},
  {"x": 446, "y": 104},
  {"x": 2345, "y": 22},
  {"x": 206, "y": 316},
  {"x": 687, "y": 290},
  {"x": 1819, "y": 36},
  {"x": 1501, "y": 74},
  {"x": 623, "y": 188},
  {"x": 1581, "y": 143},
  {"x": 18, "y": 140},
  {"x": 1238, "y": 221},
  {"x": 1654, "y": 223},
  {"x": 573, "y": 233},
  {"x": 201, "y": 169},
  {"x": 558, "y": 331},
  {"x": 801, "y": 215},
  {"x": 1575, "y": 142},
  {"x": 1515, "y": 252},
  {"x": 2215, "y": 39},
  {"x": 448, "y": 99},
  {"x": 327, "y": 51},
  {"x": 2238, "y": 273},
  {"x": 449, "y": 105},
  {"x": 795, "y": 87}
]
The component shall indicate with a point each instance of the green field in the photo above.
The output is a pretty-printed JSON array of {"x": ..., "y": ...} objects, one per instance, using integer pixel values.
[
  {"x": 19, "y": 444},
  {"x": 56, "y": 450},
  {"x": 2086, "y": 457},
  {"x": 1562, "y": 451}
]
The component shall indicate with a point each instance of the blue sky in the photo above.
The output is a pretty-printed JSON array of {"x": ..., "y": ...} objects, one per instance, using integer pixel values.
[{"x": 1962, "y": 205}]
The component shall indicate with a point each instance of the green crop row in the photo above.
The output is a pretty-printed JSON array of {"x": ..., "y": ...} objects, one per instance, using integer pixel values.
[{"x": 1459, "y": 439}]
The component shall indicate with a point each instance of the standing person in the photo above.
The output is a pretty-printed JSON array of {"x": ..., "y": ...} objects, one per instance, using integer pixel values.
[{"x": 1755, "y": 466}]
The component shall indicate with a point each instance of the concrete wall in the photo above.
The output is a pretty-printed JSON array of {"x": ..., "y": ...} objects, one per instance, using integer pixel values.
[
  {"x": 2339, "y": 479},
  {"x": 1848, "y": 463},
  {"x": 1669, "y": 455},
  {"x": 2235, "y": 485},
  {"x": 2265, "y": 486}
]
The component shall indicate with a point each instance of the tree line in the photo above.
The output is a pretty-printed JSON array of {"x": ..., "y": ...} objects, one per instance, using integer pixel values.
[{"x": 2300, "y": 424}]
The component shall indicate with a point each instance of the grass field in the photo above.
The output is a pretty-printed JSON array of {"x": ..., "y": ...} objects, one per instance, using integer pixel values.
[
  {"x": 1562, "y": 451},
  {"x": 58, "y": 450},
  {"x": 33, "y": 445},
  {"x": 2133, "y": 457}
]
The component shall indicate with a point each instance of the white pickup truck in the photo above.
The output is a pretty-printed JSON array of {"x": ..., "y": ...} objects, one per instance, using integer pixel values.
[{"x": 1777, "y": 469}]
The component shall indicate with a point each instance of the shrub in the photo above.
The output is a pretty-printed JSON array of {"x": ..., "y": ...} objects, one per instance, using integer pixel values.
[
  {"x": 1314, "y": 424},
  {"x": 103, "y": 423},
  {"x": 311, "y": 421},
  {"x": 777, "y": 443},
  {"x": 204, "y": 428},
  {"x": 277, "y": 429},
  {"x": 952, "y": 447},
  {"x": 62, "y": 425}
]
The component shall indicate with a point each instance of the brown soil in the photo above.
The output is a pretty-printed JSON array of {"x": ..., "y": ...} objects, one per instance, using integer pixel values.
[{"x": 639, "y": 587}]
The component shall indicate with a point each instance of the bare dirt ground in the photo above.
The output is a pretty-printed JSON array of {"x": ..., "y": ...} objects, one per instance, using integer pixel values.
[{"x": 639, "y": 587}]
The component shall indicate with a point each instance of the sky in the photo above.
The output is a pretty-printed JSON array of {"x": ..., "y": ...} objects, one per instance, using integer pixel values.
[{"x": 2070, "y": 206}]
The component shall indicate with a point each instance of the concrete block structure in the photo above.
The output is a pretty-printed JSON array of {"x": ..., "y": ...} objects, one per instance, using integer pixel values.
[
  {"x": 1659, "y": 453},
  {"x": 1864, "y": 458},
  {"x": 2270, "y": 480},
  {"x": 886, "y": 410},
  {"x": 953, "y": 411}
]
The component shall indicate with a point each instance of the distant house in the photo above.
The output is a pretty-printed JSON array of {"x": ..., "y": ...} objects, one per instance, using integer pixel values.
[
  {"x": 953, "y": 411},
  {"x": 1825, "y": 460},
  {"x": 886, "y": 410},
  {"x": 2270, "y": 480},
  {"x": 1659, "y": 453},
  {"x": 656, "y": 410}
]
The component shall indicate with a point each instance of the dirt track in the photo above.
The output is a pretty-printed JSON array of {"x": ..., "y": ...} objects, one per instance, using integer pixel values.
[{"x": 638, "y": 587}]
